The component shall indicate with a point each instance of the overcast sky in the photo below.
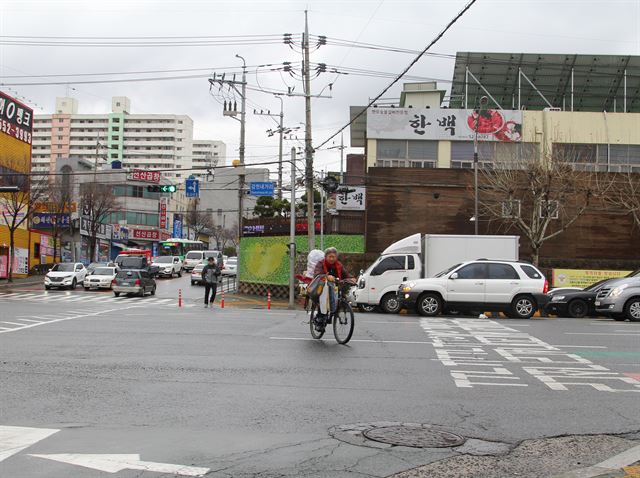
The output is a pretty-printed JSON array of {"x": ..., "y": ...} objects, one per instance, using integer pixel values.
[{"x": 544, "y": 26}]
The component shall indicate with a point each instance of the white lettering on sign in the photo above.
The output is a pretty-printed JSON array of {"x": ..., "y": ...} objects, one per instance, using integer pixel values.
[{"x": 484, "y": 353}]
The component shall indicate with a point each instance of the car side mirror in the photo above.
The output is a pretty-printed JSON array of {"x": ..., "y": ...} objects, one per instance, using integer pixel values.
[
  {"x": 405, "y": 279},
  {"x": 453, "y": 276}
]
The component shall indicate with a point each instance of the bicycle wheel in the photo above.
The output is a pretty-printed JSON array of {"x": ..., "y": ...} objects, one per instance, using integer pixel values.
[
  {"x": 316, "y": 334},
  {"x": 343, "y": 323}
]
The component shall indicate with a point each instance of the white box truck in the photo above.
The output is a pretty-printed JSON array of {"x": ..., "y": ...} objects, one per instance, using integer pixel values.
[{"x": 425, "y": 255}]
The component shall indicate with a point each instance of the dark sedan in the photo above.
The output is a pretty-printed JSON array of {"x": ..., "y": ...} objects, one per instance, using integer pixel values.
[{"x": 574, "y": 303}]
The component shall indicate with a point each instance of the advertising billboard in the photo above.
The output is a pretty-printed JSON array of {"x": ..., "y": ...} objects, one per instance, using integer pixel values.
[
  {"x": 16, "y": 128},
  {"x": 444, "y": 124}
]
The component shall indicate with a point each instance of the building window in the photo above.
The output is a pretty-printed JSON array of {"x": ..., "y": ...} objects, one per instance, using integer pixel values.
[
  {"x": 407, "y": 154},
  {"x": 137, "y": 191}
]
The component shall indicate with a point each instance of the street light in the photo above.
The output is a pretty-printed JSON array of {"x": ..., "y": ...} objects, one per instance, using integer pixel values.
[{"x": 483, "y": 102}]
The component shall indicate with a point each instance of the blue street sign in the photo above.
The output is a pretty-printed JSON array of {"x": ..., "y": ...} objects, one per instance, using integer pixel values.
[
  {"x": 261, "y": 188},
  {"x": 192, "y": 187}
]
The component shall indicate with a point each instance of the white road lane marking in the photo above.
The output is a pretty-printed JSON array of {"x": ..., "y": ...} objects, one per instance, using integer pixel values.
[
  {"x": 117, "y": 463},
  {"x": 10, "y": 323},
  {"x": 29, "y": 320},
  {"x": 595, "y": 333},
  {"x": 583, "y": 346},
  {"x": 353, "y": 340},
  {"x": 16, "y": 439}
]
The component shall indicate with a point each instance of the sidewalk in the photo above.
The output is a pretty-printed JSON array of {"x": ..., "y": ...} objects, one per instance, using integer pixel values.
[
  {"x": 243, "y": 301},
  {"x": 622, "y": 465},
  {"x": 21, "y": 282}
]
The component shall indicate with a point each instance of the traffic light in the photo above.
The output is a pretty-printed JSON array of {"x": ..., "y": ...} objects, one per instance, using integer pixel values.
[{"x": 165, "y": 188}]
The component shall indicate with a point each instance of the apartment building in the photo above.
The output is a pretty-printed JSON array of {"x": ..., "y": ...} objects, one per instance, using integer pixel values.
[
  {"x": 206, "y": 154},
  {"x": 143, "y": 141}
]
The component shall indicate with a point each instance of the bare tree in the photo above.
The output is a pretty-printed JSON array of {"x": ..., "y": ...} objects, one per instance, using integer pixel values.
[
  {"x": 623, "y": 193},
  {"x": 59, "y": 205},
  {"x": 197, "y": 219},
  {"x": 539, "y": 197},
  {"x": 98, "y": 202},
  {"x": 18, "y": 207}
]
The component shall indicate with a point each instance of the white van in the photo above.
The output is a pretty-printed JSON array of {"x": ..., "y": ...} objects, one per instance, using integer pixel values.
[{"x": 193, "y": 258}]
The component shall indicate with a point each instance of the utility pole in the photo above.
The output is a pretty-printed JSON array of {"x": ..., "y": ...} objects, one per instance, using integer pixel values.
[
  {"x": 308, "y": 147},
  {"x": 292, "y": 232},
  {"x": 281, "y": 131},
  {"x": 483, "y": 102},
  {"x": 342, "y": 147}
]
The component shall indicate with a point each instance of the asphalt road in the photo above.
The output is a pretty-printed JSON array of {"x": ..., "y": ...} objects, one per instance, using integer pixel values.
[{"x": 248, "y": 393}]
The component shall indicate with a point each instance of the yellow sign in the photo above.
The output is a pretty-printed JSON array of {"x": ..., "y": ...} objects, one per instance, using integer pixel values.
[{"x": 583, "y": 277}]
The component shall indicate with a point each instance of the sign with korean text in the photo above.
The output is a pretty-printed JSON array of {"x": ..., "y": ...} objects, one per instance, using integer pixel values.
[
  {"x": 145, "y": 176},
  {"x": 104, "y": 231},
  {"x": 261, "y": 188},
  {"x": 47, "y": 220},
  {"x": 583, "y": 277},
  {"x": 16, "y": 119},
  {"x": 163, "y": 213},
  {"x": 177, "y": 226},
  {"x": 49, "y": 207},
  {"x": 353, "y": 200},
  {"x": 276, "y": 228},
  {"x": 149, "y": 234},
  {"x": 192, "y": 188},
  {"x": 444, "y": 124}
]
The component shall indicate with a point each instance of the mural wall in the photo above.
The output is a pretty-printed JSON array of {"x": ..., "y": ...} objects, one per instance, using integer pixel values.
[{"x": 265, "y": 260}]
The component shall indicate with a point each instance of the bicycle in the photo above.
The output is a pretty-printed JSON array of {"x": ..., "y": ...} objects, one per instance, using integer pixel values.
[{"x": 343, "y": 319}]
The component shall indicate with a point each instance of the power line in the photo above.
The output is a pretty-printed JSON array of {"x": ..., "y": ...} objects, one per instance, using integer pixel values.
[{"x": 413, "y": 62}]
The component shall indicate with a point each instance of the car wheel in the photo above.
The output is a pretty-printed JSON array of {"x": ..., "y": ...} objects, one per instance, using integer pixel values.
[
  {"x": 153, "y": 291},
  {"x": 390, "y": 303},
  {"x": 523, "y": 307},
  {"x": 180, "y": 273},
  {"x": 117, "y": 294},
  {"x": 366, "y": 307},
  {"x": 193, "y": 282},
  {"x": 73, "y": 284},
  {"x": 632, "y": 309},
  {"x": 47, "y": 287},
  {"x": 429, "y": 304},
  {"x": 578, "y": 308}
]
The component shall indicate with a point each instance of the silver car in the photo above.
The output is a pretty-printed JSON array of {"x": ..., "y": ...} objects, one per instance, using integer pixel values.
[{"x": 620, "y": 298}]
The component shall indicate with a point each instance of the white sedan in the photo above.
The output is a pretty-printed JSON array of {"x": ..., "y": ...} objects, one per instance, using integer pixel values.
[
  {"x": 100, "y": 278},
  {"x": 196, "y": 274},
  {"x": 230, "y": 267}
]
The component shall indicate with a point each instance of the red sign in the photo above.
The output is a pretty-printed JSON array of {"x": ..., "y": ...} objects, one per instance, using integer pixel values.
[
  {"x": 151, "y": 234},
  {"x": 163, "y": 214},
  {"x": 145, "y": 176}
]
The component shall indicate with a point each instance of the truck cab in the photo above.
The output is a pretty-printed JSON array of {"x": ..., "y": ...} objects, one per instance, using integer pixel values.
[{"x": 399, "y": 262}]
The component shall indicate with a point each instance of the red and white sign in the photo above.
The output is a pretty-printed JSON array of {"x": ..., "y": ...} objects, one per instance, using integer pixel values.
[
  {"x": 151, "y": 234},
  {"x": 146, "y": 176},
  {"x": 163, "y": 213}
]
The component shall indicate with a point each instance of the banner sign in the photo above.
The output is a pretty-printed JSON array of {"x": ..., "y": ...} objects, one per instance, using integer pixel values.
[
  {"x": 163, "y": 213},
  {"x": 48, "y": 207},
  {"x": 105, "y": 231},
  {"x": 15, "y": 119},
  {"x": 149, "y": 234},
  {"x": 276, "y": 229},
  {"x": 583, "y": 277},
  {"x": 354, "y": 200},
  {"x": 46, "y": 220},
  {"x": 444, "y": 124},
  {"x": 145, "y": 176},
  {"x": 120, "y": 233},
  {"x": 177, "y": 226}
]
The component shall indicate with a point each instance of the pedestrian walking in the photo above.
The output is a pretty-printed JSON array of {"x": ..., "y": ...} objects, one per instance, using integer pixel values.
[{"x": 210, "y": 275}]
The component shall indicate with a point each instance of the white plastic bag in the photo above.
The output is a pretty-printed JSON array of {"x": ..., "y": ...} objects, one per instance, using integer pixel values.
[{"x": 313, "y": 258}]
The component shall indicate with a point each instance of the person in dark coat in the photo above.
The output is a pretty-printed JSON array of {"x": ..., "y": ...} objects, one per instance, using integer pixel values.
[{"x": 210, "y": 274}]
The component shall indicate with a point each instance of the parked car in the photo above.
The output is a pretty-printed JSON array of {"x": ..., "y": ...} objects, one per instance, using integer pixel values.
[
  {"x": 196, "y": 274},
  {"x": 230, "y": 267},
  {"x": 67, "y": 274},
  {"x": 134, "y": 282},
  {"x": 94, "y": 265},
  {"x": 168, "y": 265},
  {"x": 620, "y": 298},
  {"x": 574, "y": 302},
  {"x": 515, "y": 288},
  {"x": 100, "y": 278}
]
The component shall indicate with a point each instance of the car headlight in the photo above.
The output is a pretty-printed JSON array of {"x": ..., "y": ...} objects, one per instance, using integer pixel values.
[
  {"x": 557, "y": 298},
  {"x": 618, "y": 290}
]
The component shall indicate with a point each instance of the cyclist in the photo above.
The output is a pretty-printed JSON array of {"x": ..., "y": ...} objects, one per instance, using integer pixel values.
[{"x": 333, "y": 270}]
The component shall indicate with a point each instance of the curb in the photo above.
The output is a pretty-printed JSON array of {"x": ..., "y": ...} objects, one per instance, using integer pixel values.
[
  {"x": 21, "y": 283},
  {"x": 613, "y": 464}
]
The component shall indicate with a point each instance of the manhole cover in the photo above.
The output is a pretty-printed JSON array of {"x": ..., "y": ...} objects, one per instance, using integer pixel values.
[{"x": 414, "y": 436}]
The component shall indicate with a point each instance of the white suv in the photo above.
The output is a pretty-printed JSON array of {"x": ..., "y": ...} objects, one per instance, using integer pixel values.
[{"x": 515, "y": 288}]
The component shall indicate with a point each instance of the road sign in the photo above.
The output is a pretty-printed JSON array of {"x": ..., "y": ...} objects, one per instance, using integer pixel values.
[
  {"x": 192, "y": 188},
  {"x": 261, "y": 188},
  {"x": 117, "y": 463}
]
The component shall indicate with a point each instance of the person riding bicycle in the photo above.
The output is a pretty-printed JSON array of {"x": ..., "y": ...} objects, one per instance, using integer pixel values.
[{"x": 333, "y": 270}]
